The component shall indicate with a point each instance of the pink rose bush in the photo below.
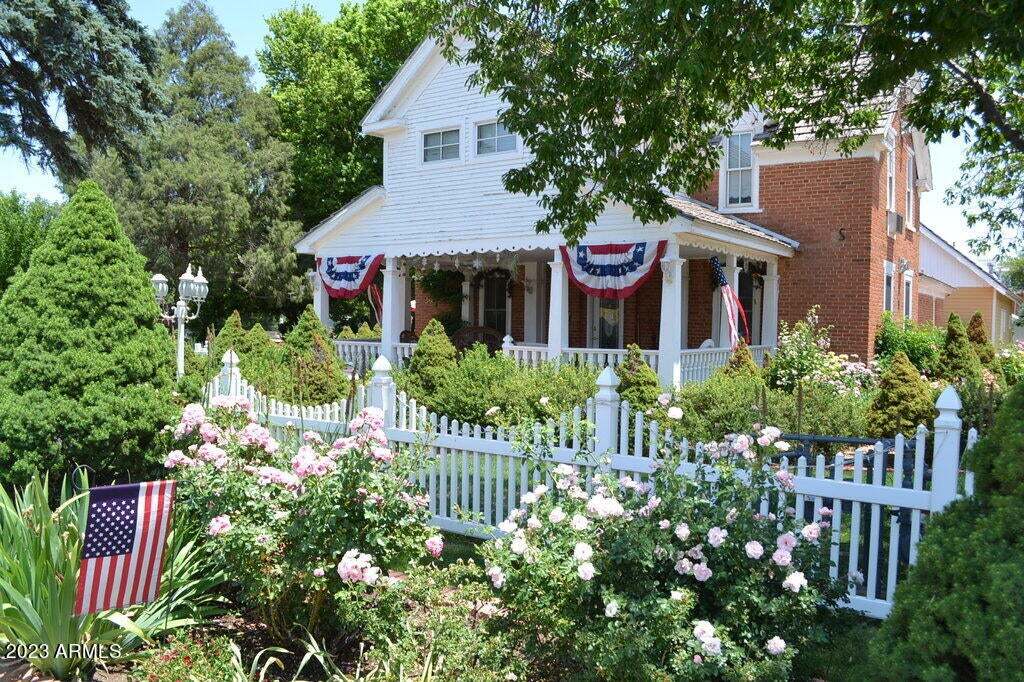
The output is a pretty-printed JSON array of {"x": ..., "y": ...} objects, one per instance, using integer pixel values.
[
  {"x": 306, "y": 527},
  {"x": 651, "y": 596}
]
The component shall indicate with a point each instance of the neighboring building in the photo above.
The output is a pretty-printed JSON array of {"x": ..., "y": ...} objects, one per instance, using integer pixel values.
[
  {"x": 792, "y": 228},
  {"x": 953, "y": 283}
]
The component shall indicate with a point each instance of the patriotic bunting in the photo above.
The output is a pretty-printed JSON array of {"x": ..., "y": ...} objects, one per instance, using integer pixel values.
[
  {"x": 348, "y": 276},
  {"x": 123, "y": 555},
  {"x": 731, "y": 301},
  {"x": 612, "y": 270}
]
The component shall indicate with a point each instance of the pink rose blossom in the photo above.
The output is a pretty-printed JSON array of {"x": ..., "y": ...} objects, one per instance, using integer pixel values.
[
  {"x": 435, "y": 544},
  {"x": 811, "y": 532},
  {"x": 782, "y": 558},
  {"x": 682, "y": 531},
  {"x": 701, "y": 572},
  {"x": 585, "y": 570},
  {"x": 794, "y": 582},
  {"x": 786, "y": 541},
  {"x": 219, "y": 525},
  {"x": 775, "y": 646},
  {"x": 716, "y": 536},
  {"x": 754, "y": 549}
]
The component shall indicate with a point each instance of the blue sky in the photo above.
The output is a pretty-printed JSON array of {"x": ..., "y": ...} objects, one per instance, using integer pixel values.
[{"x": 245, "y": 21}]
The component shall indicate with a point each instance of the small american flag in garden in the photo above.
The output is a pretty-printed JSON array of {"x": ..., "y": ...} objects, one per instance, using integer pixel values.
[
  {"x": 731, "y": 301},
  {"x": 123, "y": 556}
]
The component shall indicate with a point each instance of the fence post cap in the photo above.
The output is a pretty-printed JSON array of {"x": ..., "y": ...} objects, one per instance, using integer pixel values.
[
  {"x": 230, "y": 358},
  {"x": 607, "y": 378},
  {"x": 507, "y": 340},
  {"x": 948, "y": 400},
  {"x": 381, "y": 364}
]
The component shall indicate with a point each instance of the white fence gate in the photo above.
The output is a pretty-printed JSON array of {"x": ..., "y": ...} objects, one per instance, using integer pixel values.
[{"x": 880, "y": 496}]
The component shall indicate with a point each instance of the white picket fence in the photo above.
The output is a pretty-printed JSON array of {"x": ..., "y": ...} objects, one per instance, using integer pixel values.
[{"x": 881, "y": 496}]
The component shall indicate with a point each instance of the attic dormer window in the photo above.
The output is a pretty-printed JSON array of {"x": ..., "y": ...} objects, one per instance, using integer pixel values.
[
  {"x": 739, "y": 171},
  {"x": 441, "y": 146}
]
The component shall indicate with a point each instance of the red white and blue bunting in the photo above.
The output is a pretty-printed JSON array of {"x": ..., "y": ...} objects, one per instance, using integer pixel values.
[
  {"x": 612, "y": 270},
  {"x": 348, "y": 276}
]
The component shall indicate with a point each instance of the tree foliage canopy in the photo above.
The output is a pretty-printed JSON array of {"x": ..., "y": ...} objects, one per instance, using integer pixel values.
[
  {"x": 85, "y": 367},
  {"x": 22, "y": 225},
  {"x": 626, "y": 101},
  {"x": 324, "y": 76},
  {"x": 214, "y": 181},
  {"x": 87, "y": 58}
]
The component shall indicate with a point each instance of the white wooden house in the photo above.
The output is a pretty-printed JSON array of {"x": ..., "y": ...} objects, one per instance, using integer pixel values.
[{"x": 443, "y": 205}]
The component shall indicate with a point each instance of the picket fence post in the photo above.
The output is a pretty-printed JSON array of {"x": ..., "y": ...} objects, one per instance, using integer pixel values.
[
  {"x": 946, "y": 450},
  {"x": 230, "y": 379},
  {"x": 606, "y": 411},
  {"x": 382, "y": 389},
  {"x": 507, "y": 344}
]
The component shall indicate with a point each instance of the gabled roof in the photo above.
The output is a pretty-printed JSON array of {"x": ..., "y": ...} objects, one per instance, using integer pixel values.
[
  {"x": 698, "y": 210},
  {"x": 970, "y": 265},
  {"x": 392, "y": 92},
  {"x": 369, "y": 197}
]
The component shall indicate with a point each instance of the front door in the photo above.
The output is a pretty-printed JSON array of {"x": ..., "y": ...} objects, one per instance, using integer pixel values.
[{"x": 605, "y": 323}]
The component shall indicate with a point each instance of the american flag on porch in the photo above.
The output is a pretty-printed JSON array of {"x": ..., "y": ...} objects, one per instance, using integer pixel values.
[
  {"x": 123, "y": 555},
  {"x": 731, "y": 300}
]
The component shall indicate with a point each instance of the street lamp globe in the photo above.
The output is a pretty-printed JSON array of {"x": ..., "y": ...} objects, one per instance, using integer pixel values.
[
  {"x": 200, "y": 287},
  {"x": 160, "y": 287},
  {"x": 186, "y": 284}
]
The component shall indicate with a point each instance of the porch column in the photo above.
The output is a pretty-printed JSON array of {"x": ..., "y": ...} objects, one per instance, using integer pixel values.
[
  {"x": 732, "y": 276},
  {"x": 321, "y": 300},
  {"x": 393, "y": 315},
  {"x": 770, "y": 306},
  {"x": 558, "y": 310},
  {"x": 670, "y": 328},
  {"x": 467, "y": 294},
  {"x": 684, "y": 320},
  {"x": 531, "y": 289}
]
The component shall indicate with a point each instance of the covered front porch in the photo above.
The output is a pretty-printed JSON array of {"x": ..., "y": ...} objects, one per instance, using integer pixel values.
[{"x": 528, "y": 302}]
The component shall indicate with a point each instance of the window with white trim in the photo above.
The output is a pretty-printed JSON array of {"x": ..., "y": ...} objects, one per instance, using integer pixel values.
[
  {"x": 442, "y": 145},
  {"x": 911, "y": 167},
  {"x": 739, "y": 174},
  {"x": 908, "y": 294},
  {"x": 890, "y": 171},
  {"x": 493, "y": 138},
  {"x": 887, "y": 291}
]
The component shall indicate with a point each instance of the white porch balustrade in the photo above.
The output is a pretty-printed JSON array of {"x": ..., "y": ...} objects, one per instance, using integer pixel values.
[{"x": 359, "y": 355}]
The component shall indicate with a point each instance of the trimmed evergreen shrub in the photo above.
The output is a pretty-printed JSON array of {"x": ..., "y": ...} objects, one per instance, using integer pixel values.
[
  {"x": 317, "y": 373},
  {"x": 959, "y": 614},
  {"x": 638, "y": 383},
  {"x": 979, "y": 340},
  {"x": 903, "y": 400},
  {"x": 958, "y": 363},
  {"x": 433, "y": 358},
  {"x": 741, "y": 361},
  {"x": 365, "y": 332},
  {"x": 998, "y": 459},
  {"x": 85, "y": 365},
  {"x": 230, "y": 336},
  {"x": 346, "y": 333}
]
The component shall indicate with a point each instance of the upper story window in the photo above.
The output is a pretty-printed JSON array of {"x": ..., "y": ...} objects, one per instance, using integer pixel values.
[
  {"x": 739, "y": 171},
  {"x": 911, "y": 167},
  {"x": 492, "y": 138},
  {"x": 441, "y": 146},
  {"x": 890, "y": 172}
]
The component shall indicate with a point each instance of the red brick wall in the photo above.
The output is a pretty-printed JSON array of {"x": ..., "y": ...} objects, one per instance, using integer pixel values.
[
  {"x": 427, "y": 309},
  {"x": 699, "y": 301},
  {"x": 836, "y": 209}
]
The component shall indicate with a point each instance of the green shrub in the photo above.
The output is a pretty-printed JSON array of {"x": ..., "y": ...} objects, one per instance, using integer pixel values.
[
  {"x": 1011, "y": 363},
  {"x": 679, "y": 582},
  {"x": 979, "y": 340},
  {"x": 959, "y": 613},
  {"x": 40, "y": 553},
  {"x": 305, "y": 529},
  {"x": 433, "y": 358},
  {"x": 346, "y": 333},
  {"x": 958, "y": 363},
  {"x": 229, "y": 337},
  {"x": 920, "y": 342},
  {"x": 903, "y": 400},
  {"x": 493, "y": 389},
  {"x": 638, "y": 383},
  {"x": 741, "y": 361},
  {"x": 803, "y": 357},
  {"x": 85, "y": 365},
  {"x": 194, "y": 658},
  {"x": 998, "y": 459},
  {"x": 365, "y": 333}
]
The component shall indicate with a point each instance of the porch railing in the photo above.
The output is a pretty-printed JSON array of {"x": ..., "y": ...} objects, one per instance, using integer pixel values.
[
  {"x": 359, "y": 355},
  {"x": 606, "y": 357}
]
